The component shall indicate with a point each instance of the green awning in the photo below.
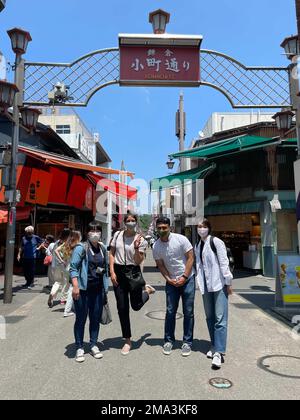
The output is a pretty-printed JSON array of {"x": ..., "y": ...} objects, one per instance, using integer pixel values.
[
  {"x": 172, "y": 181},
  {"x": 233, "y": 208},
  {"x": 233, "y": 145},
  {"x": 288, "y": 204},
  {"x": 243, "y": 207}
]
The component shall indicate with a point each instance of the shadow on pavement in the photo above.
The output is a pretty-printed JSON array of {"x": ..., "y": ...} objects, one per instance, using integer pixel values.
[
  {"x": 264, "y": 301},
  {"x": 201, "y": 346}
]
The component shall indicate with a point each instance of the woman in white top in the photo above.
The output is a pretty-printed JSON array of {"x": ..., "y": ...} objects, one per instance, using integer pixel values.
[
  {"x": 215, "y": 282},
  {"x": 127, "y": 253}
]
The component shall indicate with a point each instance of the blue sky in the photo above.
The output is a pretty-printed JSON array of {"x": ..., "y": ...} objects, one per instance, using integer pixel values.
[{"x": 138, "y": 124}]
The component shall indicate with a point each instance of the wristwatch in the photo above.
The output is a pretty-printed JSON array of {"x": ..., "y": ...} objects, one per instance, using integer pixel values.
[{"x": 184, "y": 276}]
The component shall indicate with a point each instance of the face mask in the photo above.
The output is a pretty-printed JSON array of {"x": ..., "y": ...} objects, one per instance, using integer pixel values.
[
  {"x": 130, "y": 225},
  {"x": 203, "y": 232},
  {"x": 94, "y": 237},
  {"x": 163, "y": 233}
]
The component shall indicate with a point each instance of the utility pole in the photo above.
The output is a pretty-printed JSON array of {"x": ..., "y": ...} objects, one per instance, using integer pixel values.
[
  {"x": 12, "y": 192},
  {"x": 19, "y": 39},
  {"x": 180, "y": 133},
  {"x": 297, "y": 2}
]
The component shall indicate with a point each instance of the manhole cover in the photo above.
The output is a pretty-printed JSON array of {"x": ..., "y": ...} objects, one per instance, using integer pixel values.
[
  {"x": 221, "y": 383},
  {"x": 161, "y": 315}
]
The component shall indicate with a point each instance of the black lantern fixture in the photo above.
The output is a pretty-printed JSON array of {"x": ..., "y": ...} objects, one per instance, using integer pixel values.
[
  {"x": 30, "y": 117},
  {"x": 19, "y": 40},
  {"x": 7, "y": 94},
  {"x": 159, "y": 19},
  {"x": 291, "y": 46},
  {"x": 170, "y": 164},
  {"x": 284, "y": 120}
]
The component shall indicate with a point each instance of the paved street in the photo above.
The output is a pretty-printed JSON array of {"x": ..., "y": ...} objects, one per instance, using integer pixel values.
[{"x": 37, "y": 358}]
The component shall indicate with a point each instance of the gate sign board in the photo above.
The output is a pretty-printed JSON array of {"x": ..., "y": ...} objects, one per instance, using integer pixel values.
[{"x": 159, "y": 60}]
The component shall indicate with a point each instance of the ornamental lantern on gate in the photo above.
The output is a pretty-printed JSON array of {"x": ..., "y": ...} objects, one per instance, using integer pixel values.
[
  {"x": 159, "y": 19},
  {"x": 30, "y": 117},
  {"x": 19, "y": 40},
  {"x": 7, "y": 95}
]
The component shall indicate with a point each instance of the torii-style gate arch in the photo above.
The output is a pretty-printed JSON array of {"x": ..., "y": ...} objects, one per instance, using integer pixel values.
[{"x": 244, "y": 87}]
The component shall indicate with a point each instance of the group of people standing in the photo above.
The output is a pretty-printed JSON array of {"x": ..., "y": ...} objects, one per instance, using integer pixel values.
[{"x": 81, "y": 270}]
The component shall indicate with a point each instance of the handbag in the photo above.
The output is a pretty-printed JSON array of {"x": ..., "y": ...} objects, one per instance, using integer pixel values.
[
  {"x": 48, "y": 260},
  {"x": 106, "y": 314},
  {"x": 133, "y": 274}
]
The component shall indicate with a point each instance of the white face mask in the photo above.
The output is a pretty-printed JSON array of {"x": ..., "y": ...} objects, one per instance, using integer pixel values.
[
  {"x": 203, "y": 232},
  {"x": 94, "y": 237},
  {"x": 131, "y": 226}
]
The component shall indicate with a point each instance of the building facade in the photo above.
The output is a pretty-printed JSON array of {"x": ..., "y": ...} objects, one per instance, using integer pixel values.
[{"x": 253, "y": 169}]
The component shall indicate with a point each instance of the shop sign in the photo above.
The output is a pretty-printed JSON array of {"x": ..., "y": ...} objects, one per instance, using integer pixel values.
[
  {"x": 159, "y": 65},
  {"x": 289, "y": 275}
]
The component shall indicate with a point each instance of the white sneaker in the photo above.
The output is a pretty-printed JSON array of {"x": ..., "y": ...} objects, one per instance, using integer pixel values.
[
  {"x": 217, "y": 361},
  {"x": 67, "y": 314},
  {"x": 210, "y": 354},
  {"x": 80, "y": 356},
  {"x": 95, "y": 352}
]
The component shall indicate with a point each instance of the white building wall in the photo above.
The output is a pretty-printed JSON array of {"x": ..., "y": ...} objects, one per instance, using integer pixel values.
[
  {"x": 80, "y": 138},
  {"x": 228, "y": 120}
]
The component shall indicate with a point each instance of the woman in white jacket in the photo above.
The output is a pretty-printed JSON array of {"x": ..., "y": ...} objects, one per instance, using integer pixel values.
[{"x": 215, "y": 282}]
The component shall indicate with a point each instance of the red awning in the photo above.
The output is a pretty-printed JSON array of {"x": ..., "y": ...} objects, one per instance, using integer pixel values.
[
  {"x": 23, "y": 213},
  {"x": 115, "y": 187},
  {"x": 56, "y": 160}
]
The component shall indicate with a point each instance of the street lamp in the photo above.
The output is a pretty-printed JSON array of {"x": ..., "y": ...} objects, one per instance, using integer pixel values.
[
  {"x": 30, "y": 117},
  {"x": 159, "y": 19},
  {"x": 7, "y": 95},
  {"x": 170, "y": 164},
  {"x": 291, "y": 46},
  {"x": 284, "y": 120},
  {"x": 19, "y": 42}
]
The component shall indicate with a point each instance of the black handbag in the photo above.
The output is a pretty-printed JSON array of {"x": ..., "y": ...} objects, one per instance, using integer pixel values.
[{"x": 133, "y": 274}]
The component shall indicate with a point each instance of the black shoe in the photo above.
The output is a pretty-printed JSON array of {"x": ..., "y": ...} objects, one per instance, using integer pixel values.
[{"x": 50, "y": 302}]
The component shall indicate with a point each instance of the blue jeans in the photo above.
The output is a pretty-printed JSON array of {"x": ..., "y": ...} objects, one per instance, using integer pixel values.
[
  {"x": 173, "y": 294},
  {"x": 90, "y": 304},
  {"x": 216, "y": 310}
]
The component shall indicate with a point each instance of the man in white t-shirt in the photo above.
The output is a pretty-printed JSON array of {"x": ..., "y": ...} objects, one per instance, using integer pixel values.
[{"x": 174, "y": 256}]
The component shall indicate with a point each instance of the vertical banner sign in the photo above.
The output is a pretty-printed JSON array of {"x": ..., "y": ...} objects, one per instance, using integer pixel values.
[
  {"x": 297, "y": 185},
  {"x": 145, "y": 62},
  {"x": 289, "y": 274}
]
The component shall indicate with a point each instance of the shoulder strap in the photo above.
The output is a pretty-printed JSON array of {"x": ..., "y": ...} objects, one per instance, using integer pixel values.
[{"x": 212, "y": 245}]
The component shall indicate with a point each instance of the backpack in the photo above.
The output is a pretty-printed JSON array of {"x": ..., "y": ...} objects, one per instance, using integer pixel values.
[
  {"x": 229, "y": 254},
  {"x": 103, "y": 251}
]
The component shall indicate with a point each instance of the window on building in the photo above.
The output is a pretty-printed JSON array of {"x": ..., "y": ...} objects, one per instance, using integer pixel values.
[{"x": 63, "y": 129}]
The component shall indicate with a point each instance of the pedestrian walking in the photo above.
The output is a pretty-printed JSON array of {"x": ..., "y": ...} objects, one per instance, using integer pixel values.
[
  {"x": 68, "y": 248},
  {"x": 215, "y": 282},
  {"x": 88, "y": 267},
  {"x": 127, "y": 253},
  {"x": 47, "y": 247},
  {"x": 174, "y": 256},
  {"x": 58, "y": 269},
  {"x": 27, "y": 255}
]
